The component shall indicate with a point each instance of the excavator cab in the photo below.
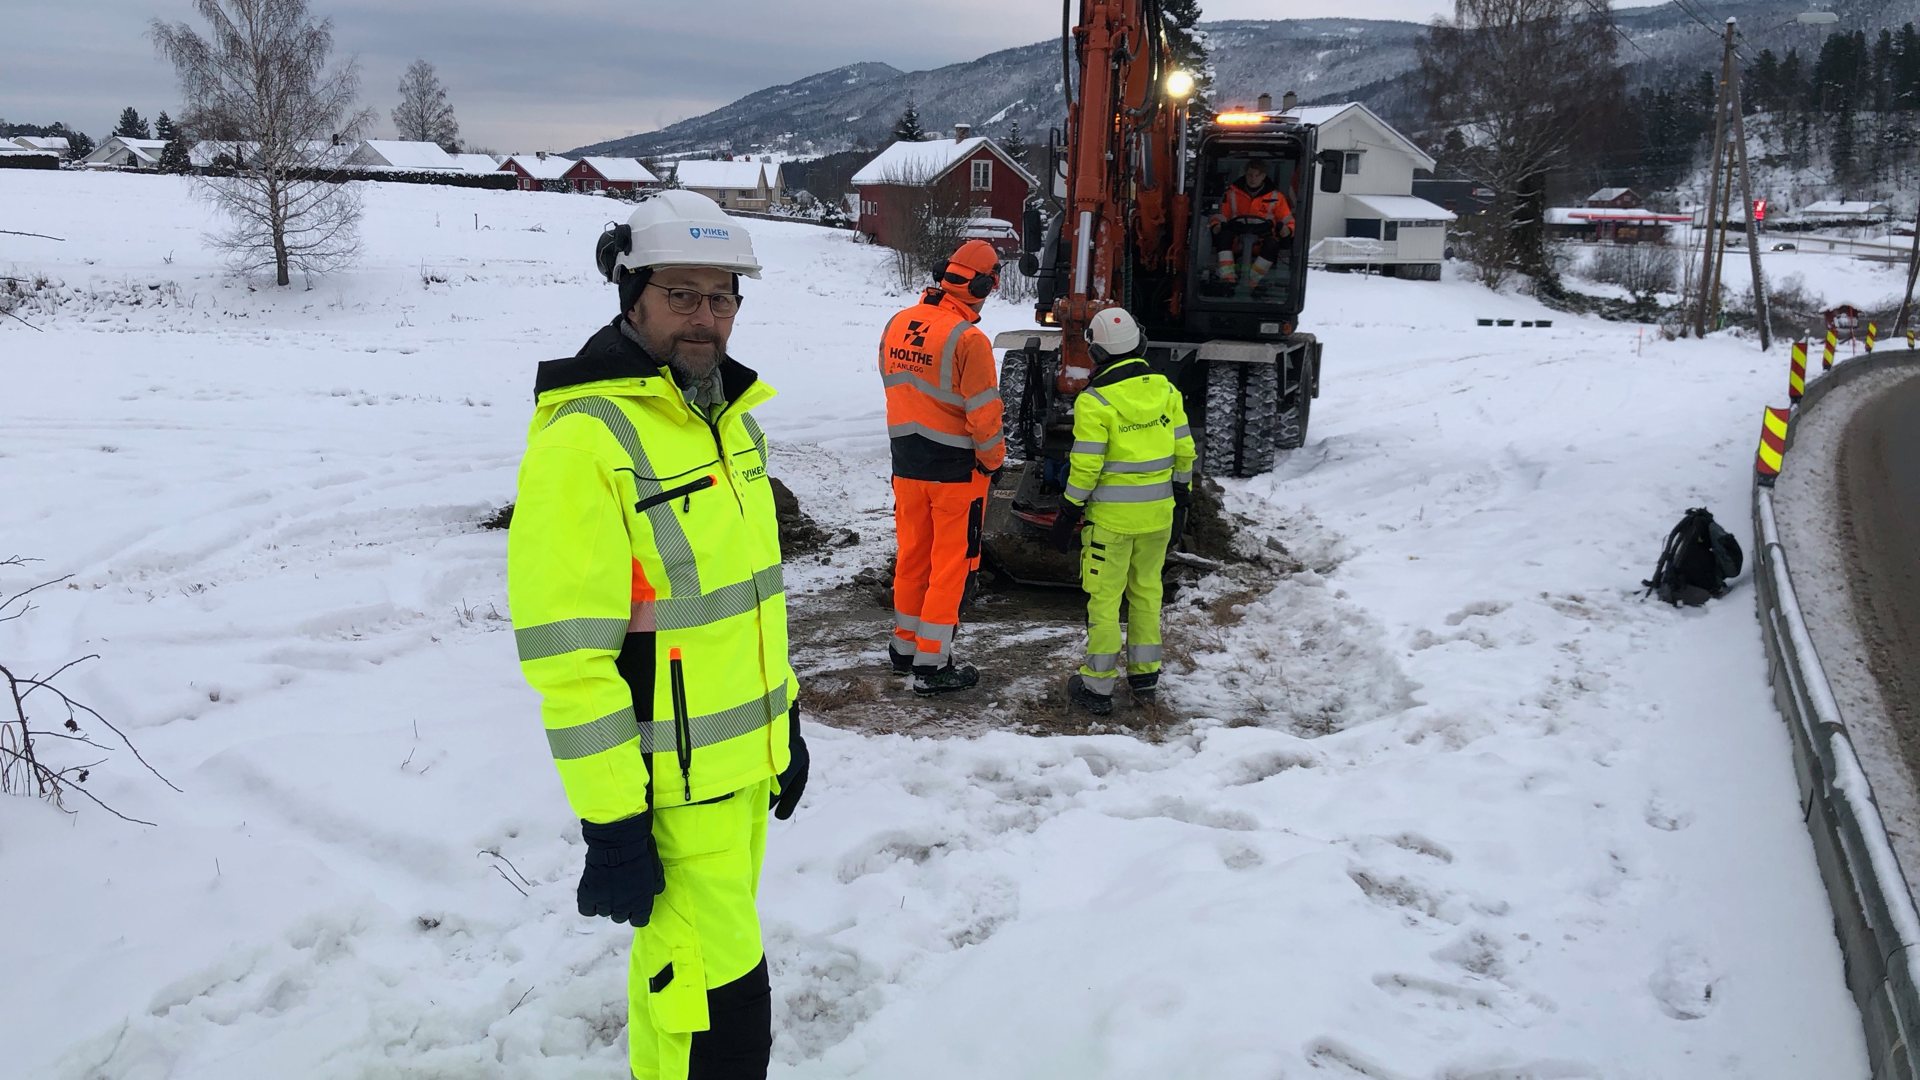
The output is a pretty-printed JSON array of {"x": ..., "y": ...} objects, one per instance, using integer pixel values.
[{"x": 1252, "y": 180}]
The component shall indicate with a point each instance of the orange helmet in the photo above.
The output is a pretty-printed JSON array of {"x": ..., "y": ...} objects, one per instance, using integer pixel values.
[{"x": 972, "y": 272}]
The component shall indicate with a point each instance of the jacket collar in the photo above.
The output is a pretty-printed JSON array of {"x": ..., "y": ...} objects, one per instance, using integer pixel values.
[
  {"x": 610, "y": 356},
  {"x": 939, "y": 297},
  {"x": 1121, "y": 370}
]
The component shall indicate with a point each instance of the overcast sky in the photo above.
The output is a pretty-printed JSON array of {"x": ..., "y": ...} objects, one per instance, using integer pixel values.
[{"x": 559, "y": 73}]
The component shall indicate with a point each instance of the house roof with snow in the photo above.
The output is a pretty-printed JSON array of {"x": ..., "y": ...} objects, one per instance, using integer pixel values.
[
  {"x": 319, "y": 151},
  {"x": 918, "y": 164},
  {"x": 722, "y": 175},
  {"x": 1402, "y": 208},
  {"x": 144, "y": 151},
  {"x": 56, "y": 143},
  {"x": 550, "y": 167},
  {"x": 1608, "y": 194},
  {"x": 1843, "y": 208},
  {"x": 1324, "y": 116},
  {"x": 395, "y": 154},
  {"x": 625, "y": 170},
  {"x": 1592, "y": 215},
  {"x": 476, "y": 163}
]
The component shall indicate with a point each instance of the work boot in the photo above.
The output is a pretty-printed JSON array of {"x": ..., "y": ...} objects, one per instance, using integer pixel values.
[
  {"x": 902, "y": 662},
  {"x": 1229, "y": 273},
  {"x": 1079, "y": 693},
  {"x": 928, "y": 681},
  {"x": 1144, "y": 686}
]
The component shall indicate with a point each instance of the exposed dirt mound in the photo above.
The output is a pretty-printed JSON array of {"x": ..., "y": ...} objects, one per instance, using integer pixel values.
[
  {"x": 1025, "y": 641},
  {"x": 800, "y": 534}
]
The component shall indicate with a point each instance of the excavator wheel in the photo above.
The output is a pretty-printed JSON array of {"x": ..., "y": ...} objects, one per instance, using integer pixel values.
[{"x": 1243, "y": 410}]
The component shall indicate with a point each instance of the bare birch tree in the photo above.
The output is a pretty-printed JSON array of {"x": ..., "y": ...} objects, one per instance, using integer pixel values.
[
  {"x": 925, "y": 221},
  {"x": 424, "y": 113},
  {"x": 1525, "y": 81},
  {"x": 260, "y": 76}
]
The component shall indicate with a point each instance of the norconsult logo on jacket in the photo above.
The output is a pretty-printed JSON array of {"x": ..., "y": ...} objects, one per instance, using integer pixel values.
[{"x": 699, "y": 233}]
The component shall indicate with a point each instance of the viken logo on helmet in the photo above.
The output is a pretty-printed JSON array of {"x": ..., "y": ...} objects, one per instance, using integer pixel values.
[{"x": 699, "y": 233}]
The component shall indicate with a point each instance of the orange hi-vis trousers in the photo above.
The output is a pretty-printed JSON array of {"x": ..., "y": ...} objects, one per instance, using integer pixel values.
[{"x": 937, "y": 526}]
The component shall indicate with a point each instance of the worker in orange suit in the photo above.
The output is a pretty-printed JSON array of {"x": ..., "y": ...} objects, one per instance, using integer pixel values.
[
  {"x": 1256, "y": 207},
  {"x": 943, "y": 415}
]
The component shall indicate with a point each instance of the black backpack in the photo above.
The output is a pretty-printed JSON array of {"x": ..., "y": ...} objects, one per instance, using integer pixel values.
[{"x": 1699, "y": 561}]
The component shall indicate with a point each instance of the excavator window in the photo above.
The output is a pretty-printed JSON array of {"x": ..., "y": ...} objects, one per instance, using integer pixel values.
[{"x": 1245, "y": 251}]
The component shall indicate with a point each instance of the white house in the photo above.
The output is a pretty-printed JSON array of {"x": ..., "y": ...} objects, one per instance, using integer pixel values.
[
  {"x": 123, "y": 152},
  {"x": 735, "y": 185},
  {"x": 408, "y": 156},
  {"x": 56, "y": 143},
  {"x": 476, "y": 163},
  {"x": 1839, "y": 208},
  {"x": 1375, "y": 219},
  {"x": 231, "y": 152}
]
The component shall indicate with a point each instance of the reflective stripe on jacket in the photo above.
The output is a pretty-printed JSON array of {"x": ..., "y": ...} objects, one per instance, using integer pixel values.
[
  {"x": 943, "y": 392},
  {"x": 1131, "y": 444},
  {"x": 640, "y": 530},
  {"x": 1267, "y": 203}
]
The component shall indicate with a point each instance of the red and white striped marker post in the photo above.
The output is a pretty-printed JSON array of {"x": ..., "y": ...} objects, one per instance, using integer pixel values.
[{"x": 1797, "y": 373}]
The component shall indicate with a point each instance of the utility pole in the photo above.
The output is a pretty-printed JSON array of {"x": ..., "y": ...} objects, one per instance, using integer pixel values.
[
  {"x": 1901, "y": 325},
  {"x": 1760, "y": 304},
  {"x": 1713, "y": 188},
  {"x": 1726, "y": 214}
]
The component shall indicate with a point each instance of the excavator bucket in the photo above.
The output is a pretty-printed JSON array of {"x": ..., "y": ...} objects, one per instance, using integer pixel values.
[{"x": 1014, "y": 531}]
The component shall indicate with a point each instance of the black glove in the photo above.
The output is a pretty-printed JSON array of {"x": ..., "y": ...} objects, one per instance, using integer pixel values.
[
  {"x": 793, "y": 782},
  {"x": 990, "y": 474},
  {"x": 1064, "y": 526},
  {"x": 623, "y": 872},
  {"x": 1182, "y": 496}
]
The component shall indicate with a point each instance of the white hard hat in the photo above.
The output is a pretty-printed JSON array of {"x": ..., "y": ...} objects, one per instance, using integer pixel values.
[
  {"x": 678, "y": 228},
  {"x": 1115, "y": 332}
]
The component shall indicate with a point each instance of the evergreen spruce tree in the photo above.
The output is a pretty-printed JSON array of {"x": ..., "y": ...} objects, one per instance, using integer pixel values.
[
  {"x": 1842, "y": 150},
  {"x": 131, "y": 125},
  {"x": 907, "y": 128},
  {"x": 1015, "y": 144},
  {"x": 1906, "y": 77},
  {"x": 173, "y": 156},
  {"x": 1190, "y": 50},
  {"x": 79, "y": 145}
]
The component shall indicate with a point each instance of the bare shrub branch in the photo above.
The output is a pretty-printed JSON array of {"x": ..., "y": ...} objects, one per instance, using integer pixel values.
[{"x": 22, "y": 771}]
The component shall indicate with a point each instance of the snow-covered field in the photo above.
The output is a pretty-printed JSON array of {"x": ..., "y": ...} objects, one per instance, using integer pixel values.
[{"x": 1454, "y": 802}]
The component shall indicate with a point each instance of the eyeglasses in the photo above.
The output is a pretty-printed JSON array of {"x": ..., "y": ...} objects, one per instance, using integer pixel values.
[{"x": 724, "y": 305}]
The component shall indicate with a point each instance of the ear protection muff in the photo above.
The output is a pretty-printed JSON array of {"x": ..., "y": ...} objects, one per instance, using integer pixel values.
[
  {"x": 979, "y": 286},
  {"x": 616, "y": 241}
]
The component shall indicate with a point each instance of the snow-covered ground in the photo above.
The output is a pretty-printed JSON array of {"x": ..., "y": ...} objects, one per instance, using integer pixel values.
[{"x": 1454, "y": 802}]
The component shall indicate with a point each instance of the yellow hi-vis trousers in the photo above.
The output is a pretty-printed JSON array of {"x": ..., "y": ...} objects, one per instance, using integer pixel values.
[
  {"x": 1116, "y": 566},
  {"x": 704, "y": 933}
]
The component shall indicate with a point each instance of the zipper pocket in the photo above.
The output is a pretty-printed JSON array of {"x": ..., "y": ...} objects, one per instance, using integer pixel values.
[
  {"x": 667, "y": 496},
  {"x": 682, "y": 725}
]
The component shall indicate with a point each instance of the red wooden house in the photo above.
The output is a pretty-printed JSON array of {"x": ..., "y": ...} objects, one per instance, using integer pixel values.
[
  {"x": 965, "y": 171},
  {"x": 591, "y": 174},
  {"x": 539, "y": 172}
]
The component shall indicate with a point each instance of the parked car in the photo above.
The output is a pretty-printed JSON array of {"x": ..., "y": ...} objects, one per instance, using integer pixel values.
[
  {"x": 1784, "y": 247},
  {"x": 1004, "y": 237}
]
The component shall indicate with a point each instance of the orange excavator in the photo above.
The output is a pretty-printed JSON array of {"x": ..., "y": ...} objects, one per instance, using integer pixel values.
[{"x": 1134, "y": 212}]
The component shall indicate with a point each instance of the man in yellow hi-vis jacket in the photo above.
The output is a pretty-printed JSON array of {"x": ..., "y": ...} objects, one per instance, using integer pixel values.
[
  {"x": 643, "y": 570},
  {"x": 1130, "y": 475}
]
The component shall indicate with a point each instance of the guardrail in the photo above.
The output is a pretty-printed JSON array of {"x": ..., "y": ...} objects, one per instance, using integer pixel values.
[{"x": 1873, "y": 909}]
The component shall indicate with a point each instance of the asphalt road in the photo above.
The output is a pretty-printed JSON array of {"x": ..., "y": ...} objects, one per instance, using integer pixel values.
[{"x": 1880, "y": 502}]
